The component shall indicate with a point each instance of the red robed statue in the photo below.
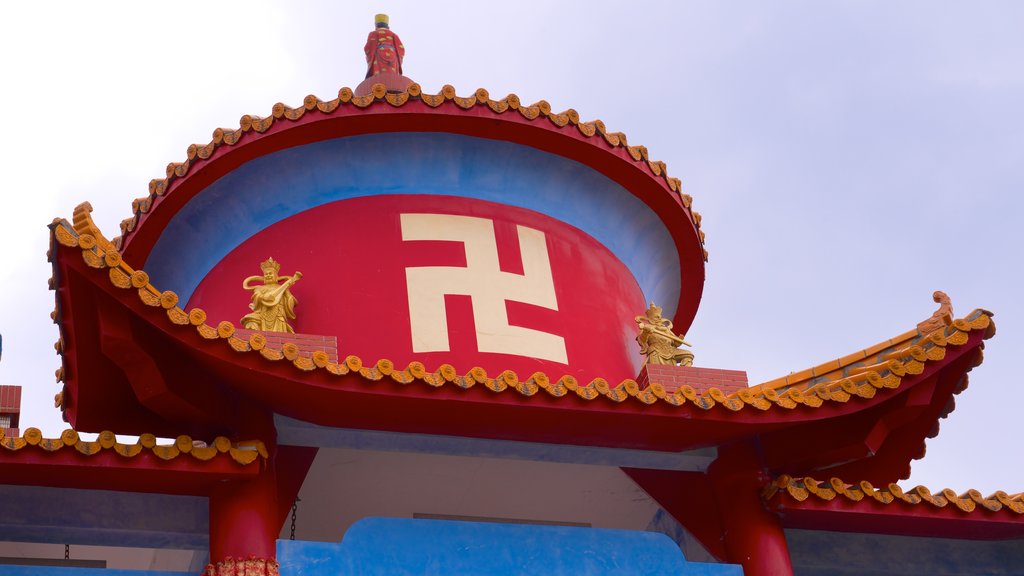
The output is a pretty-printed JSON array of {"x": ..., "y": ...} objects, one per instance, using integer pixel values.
[{"x": 384, "y": 50}]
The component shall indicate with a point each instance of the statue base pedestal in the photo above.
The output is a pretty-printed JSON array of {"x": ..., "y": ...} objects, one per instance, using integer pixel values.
[
  {"x": 392, "y": 83},
  {"x": 307, "y": 343},
  {"x": 673, "y": 378}
]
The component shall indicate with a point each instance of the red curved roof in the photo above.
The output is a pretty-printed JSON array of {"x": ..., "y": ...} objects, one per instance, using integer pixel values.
[
  {"x": 871, "y": 410},
  {"x": 413, "y": 111},
  {"x": 836, "y": 505}
]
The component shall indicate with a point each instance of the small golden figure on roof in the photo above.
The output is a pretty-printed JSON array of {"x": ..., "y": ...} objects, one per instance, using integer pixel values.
[
  {"x": 658, "y": 342},
  {"x": 384, "y": 49},
  {"x": 272, "y": 303}
]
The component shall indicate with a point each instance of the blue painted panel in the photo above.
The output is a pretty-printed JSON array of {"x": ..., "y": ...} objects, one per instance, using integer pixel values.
[
  {"x": 97, "y": 518},
  {"x": 61, "y": 571},
  {"x": 396, "y": 546},
  {"x": 273, "y": 187},
  {"x": 298, "y": 433}
]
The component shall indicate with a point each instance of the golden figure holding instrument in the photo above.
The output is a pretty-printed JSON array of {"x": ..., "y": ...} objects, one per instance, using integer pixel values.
[
  {"x": 658, "y": 342},
  {"x": 272, "y": 303}
]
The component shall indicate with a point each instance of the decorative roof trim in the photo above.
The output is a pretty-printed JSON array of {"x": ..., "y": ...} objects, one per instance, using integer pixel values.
[
  {"x": 243, "y": 453},
  {"x": 251, "y": 566},
  {"x": 864, "y": 382},
  {"x": 800, "y": 489},
  {"x": 480, "y": 99}
]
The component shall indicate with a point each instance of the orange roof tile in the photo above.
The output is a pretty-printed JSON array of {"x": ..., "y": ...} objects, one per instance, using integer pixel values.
[
  {"x": 861, "y": 375},
  {"x": 800, "y": 489},
  {"x": 243, "y": 453},
  {"x": 480, "y": 100}
]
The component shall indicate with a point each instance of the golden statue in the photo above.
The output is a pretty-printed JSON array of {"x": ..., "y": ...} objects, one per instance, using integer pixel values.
[
  {"x": 658, "y": 342},
  {"x": 272, "y": 303}
]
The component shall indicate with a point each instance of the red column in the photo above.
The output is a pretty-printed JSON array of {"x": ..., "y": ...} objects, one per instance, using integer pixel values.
[
  {"x": 753, "y": 536},
  {"x": 244, "y": 519}
]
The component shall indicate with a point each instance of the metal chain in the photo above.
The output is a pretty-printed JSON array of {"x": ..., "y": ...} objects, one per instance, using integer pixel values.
[
  {"x": 67, "y": 551},
  {"x": 295, "y": 509}
]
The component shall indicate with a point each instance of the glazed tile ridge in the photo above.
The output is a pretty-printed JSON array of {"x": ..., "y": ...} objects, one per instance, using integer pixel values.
[
  {"x": 243, "y": 453},
  {"x": 801, "y": 489},
  {"x": 910, "y": 349},
  {"x": 380, "y": 97},
  {"x": 908, "y": 358}
]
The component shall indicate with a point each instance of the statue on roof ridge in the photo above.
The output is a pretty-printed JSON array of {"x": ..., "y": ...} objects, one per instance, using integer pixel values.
[
  {"x": 272, "y": 304},
  {"x": 657, "y": 340},
  {"x": 384, "y": 49},
  {"x": 384, "y": 54},
  {"x": 941, "y": 318}
]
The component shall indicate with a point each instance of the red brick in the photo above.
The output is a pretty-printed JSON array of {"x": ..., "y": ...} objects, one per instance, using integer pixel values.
[
  {"x": 302, "y": 339},
  {"x": 701, "y": 379},
  {"x": 10, "y": 398},
  {"x": 306, "y": 343}
]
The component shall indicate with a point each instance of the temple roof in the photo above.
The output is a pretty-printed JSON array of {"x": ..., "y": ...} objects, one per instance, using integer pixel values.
[
  {"x": 838, "y": 505},
  {"x": 243, "y": 453},
  {"x": 866, "y": 414},
  {"x": 537, "y": 126},
  {"x": 859, "y": 375},
  {"x": 800, "y": 489},
  {"x": 182, "y": 466},
  {"x": 479, "y": 103}
]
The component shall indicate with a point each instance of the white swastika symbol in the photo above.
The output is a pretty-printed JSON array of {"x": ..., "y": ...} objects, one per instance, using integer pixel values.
[{"x": 485, "y": 283}]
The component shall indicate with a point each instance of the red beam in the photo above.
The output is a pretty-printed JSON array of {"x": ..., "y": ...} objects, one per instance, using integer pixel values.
[
  {"x": 108, "y": 470},
  {"x": 897, "y": 518}
]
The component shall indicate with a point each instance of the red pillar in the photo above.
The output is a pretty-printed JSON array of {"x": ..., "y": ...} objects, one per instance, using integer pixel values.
[
  {"x": 244, "y": 518},
  {"x": 752, "y": 535}
]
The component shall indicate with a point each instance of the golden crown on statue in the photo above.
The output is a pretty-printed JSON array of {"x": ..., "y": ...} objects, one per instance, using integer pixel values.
[{"x": 270, "y": 264}]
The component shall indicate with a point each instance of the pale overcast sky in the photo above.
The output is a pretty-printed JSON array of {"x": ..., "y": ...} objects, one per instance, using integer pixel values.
[{"x": 848, "y": 157}]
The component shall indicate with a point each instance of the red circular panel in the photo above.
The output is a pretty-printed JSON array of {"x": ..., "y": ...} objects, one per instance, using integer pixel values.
[{"x": 384, "y": 274}]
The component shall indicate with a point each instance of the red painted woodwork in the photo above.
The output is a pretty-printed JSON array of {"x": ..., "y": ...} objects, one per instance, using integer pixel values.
[
  {"x": 243, "y": 518},
  {"x": 416, "y": 116},
  {"x": 687, "y": 497},
  {"x": 353, "y": 402},
  {"x": 291, "y": 464},
  {"x": 896, "y": 518},
  {"x": 246, "y": 516},
  {"x": 673, "y": 378},
  {"x": 723, "y": 509},
  {"x": 107, "y": 470},
  {"x": 878, "y": 443},
  {"x": 752, "y": 536},
  {"x": 354, "y": 286}
]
